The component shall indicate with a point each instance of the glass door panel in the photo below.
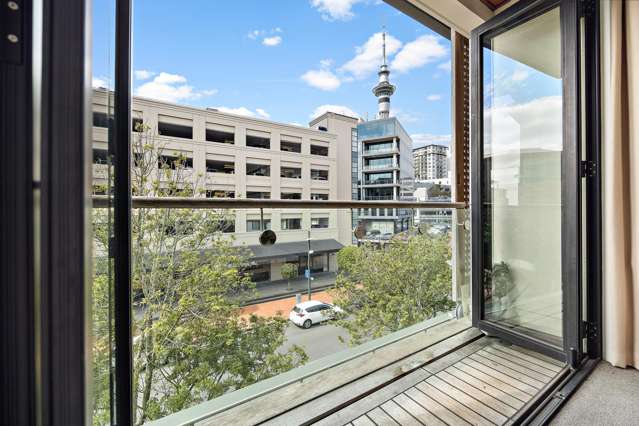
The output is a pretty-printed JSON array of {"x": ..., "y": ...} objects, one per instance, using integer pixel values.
[{"x": 522, "y": 178}]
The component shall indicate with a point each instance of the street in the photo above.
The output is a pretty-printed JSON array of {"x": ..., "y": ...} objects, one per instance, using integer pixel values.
[{"x": 318, "y": 341}]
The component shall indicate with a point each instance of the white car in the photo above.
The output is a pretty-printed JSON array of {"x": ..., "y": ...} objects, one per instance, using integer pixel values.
[{"x": 306, "y": 314}]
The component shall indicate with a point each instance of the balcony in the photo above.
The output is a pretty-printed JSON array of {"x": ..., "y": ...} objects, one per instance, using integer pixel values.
[
  {"x": 369, "y": 153},
  {"x": 381, "y": 182},
  {"x": 377, "y": 167}
]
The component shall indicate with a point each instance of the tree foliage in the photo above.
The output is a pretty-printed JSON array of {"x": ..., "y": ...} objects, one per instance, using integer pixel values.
[
  {"x": 289, "y": 272},
  {"x": 386, "y": 289},
  {"x": 191, "y": 343}
]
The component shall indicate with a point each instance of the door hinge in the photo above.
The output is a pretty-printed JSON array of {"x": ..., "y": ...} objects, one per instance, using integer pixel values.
[
  {"x": 589, "y": 330},
  {"x": 11, "y": 45},
  {"x": 588, "y": 169}
]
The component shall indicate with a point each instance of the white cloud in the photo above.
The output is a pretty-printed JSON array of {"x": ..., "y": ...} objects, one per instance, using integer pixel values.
[
  {"x": 335, "y": 10},
  {"x": 418, "y": 53},
  {"x": 524, "y": 127},
  {"x": 446, "y": 66},
  {"x": 259, "y": 112},
  {"x": 368, "y": 57},
  {"x": 100, "y": 82},
  {"x": 143, "y": 74},
  {"x": 326, "y": 63},
  {"x": 433, "y": 97},
  {"x": 321, "y": 79},
  {"x": 272, "y": 41},
  {"x": 269, "y": 37},
  {"x": 171, "y": 88},
  {"x": 422, "y": 139},
  {"x": 338, "y": 109},
  {"x": 255, "y": 34},
  {"x": 520, "y": 74},
  {"x": 262, "y": 113}
]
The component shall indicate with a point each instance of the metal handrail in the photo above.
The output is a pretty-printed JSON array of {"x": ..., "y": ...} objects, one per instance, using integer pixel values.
[{"x": 102, "y": 201}]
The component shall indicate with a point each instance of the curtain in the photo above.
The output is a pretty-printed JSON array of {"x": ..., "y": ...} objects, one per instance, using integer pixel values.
[{"x": 620, "y": 143}]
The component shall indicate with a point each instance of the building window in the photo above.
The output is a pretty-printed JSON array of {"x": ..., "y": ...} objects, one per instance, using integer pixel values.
[
  {"x": 290, "y": 146},
  {"x": 258, "y": 170},
  {"x": 226, "y": 167},
  {"x": 258, "y": 195},
  {"x": 319, "y": 174},
  {"x": 137, "y": 125},
  {"x": 175, "y": 130},
  {"x": 291, "y": 172},
  {"x": 319, "y": 150},
  {"x": 291, "y": 196},
  {"x": 218, "y": 193},
  {"x": 100, "y": 119},
  {"x": 100, "y": 156},
  {"x": 173, "y": 162},
  {"x": 289, "y": 224},
  {"x": 258, "y": 142},
  {"x": 220, "y": 136},
  {"x": 379, "y": 178},
  {"x": 318, "y": 196},
  {"x": 319, "y": 222},
  {"x": 255, "y": 225},
  {"x": 227, "y": 226},
  {"x": 259, "y": 273}
]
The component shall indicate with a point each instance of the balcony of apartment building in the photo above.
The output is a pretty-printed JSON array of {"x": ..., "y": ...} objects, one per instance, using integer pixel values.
[
  {"x": 379, "y": 148},
  {"x": 512, "y": 308}
]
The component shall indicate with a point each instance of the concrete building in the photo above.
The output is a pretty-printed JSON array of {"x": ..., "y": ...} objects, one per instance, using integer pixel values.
[
  {"x": 385, "y": 162},
  {"x": 431, "y": 162},
  {"x": 243, "y": 157}
]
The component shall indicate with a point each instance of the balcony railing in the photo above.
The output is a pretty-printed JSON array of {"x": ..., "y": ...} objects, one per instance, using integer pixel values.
[
  {"x": 188, "y": 217},
  {"x": 379, "y": 182},
  {"x": 379, "y": 166}
]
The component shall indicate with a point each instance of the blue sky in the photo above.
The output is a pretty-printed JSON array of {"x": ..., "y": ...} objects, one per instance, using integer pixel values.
[{"x": 283, "y": 59}]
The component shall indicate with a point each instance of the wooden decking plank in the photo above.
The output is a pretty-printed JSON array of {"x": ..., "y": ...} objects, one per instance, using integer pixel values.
[
  {"x": 400, "y": 415},
  {"x": 500, "y": 393},
  {"x": 537, "y": 384},
  {"x": 543, "y": 378},
  {"x": 417, "y": 411},
  {"x": 453, "y": 357},
  {"x": 480, "y": 395},
  {"x": 380, "y": 417},
  {"x": 358, "y": 408},
  {"x": 539, "y": 356},
  {"x": 535, "y": 367},
  {"x": 542, "y": 360},
  {"x": 435, "y": 407},
  {"x": 529, "y": 390},
  {"x": 363, "y": 421},
  {"x": 452, "y": 404},
  {"x": 467, "y": 400}
]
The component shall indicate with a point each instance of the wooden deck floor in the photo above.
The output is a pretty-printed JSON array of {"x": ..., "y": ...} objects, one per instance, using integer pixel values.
[{"x": 484, "y": 383}]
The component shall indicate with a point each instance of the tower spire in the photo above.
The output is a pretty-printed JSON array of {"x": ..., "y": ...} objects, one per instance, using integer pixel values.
[
  {"x": 383, "y": 90},
  {"x": 384, "y": 46}
]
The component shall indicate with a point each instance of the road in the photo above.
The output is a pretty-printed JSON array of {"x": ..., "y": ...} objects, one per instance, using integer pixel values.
[{"x": 318, "y": 341}]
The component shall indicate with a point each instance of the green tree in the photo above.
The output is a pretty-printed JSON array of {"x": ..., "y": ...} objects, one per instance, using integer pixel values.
[
  {"x": 191, "y": 343},
  {"x": 386, "y": 289},
  {"x": 289, "y": 272}
]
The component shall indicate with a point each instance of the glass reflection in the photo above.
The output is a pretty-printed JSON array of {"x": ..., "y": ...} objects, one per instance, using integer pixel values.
[{"x": 522, "y": 177}]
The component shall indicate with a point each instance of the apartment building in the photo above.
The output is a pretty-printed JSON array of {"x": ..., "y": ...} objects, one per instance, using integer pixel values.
[
  {"x": 430, "y": 162},
  {"x": 385, "y": 162},
  {"x": 243, "y": 157}
]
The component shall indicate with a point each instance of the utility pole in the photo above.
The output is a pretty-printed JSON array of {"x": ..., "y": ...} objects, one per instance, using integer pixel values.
[{"x": 308, "y": 264}]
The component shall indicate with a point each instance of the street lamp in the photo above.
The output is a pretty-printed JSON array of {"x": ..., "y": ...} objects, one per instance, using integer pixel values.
[{"x": 308, "y": 264}]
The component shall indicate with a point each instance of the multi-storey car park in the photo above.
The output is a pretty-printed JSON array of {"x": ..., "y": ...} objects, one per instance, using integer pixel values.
[{"x": 244, "y": 157}]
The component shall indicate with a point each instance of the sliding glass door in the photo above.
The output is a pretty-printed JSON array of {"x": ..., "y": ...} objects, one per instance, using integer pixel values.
[{"x": 527, "y": 176}]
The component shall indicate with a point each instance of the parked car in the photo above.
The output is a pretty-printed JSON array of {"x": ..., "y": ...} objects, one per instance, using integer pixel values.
[{"x": 306, "y": 314}]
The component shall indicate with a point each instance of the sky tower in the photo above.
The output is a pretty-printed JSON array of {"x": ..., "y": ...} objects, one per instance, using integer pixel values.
[{"x": 383, "y": 90}]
